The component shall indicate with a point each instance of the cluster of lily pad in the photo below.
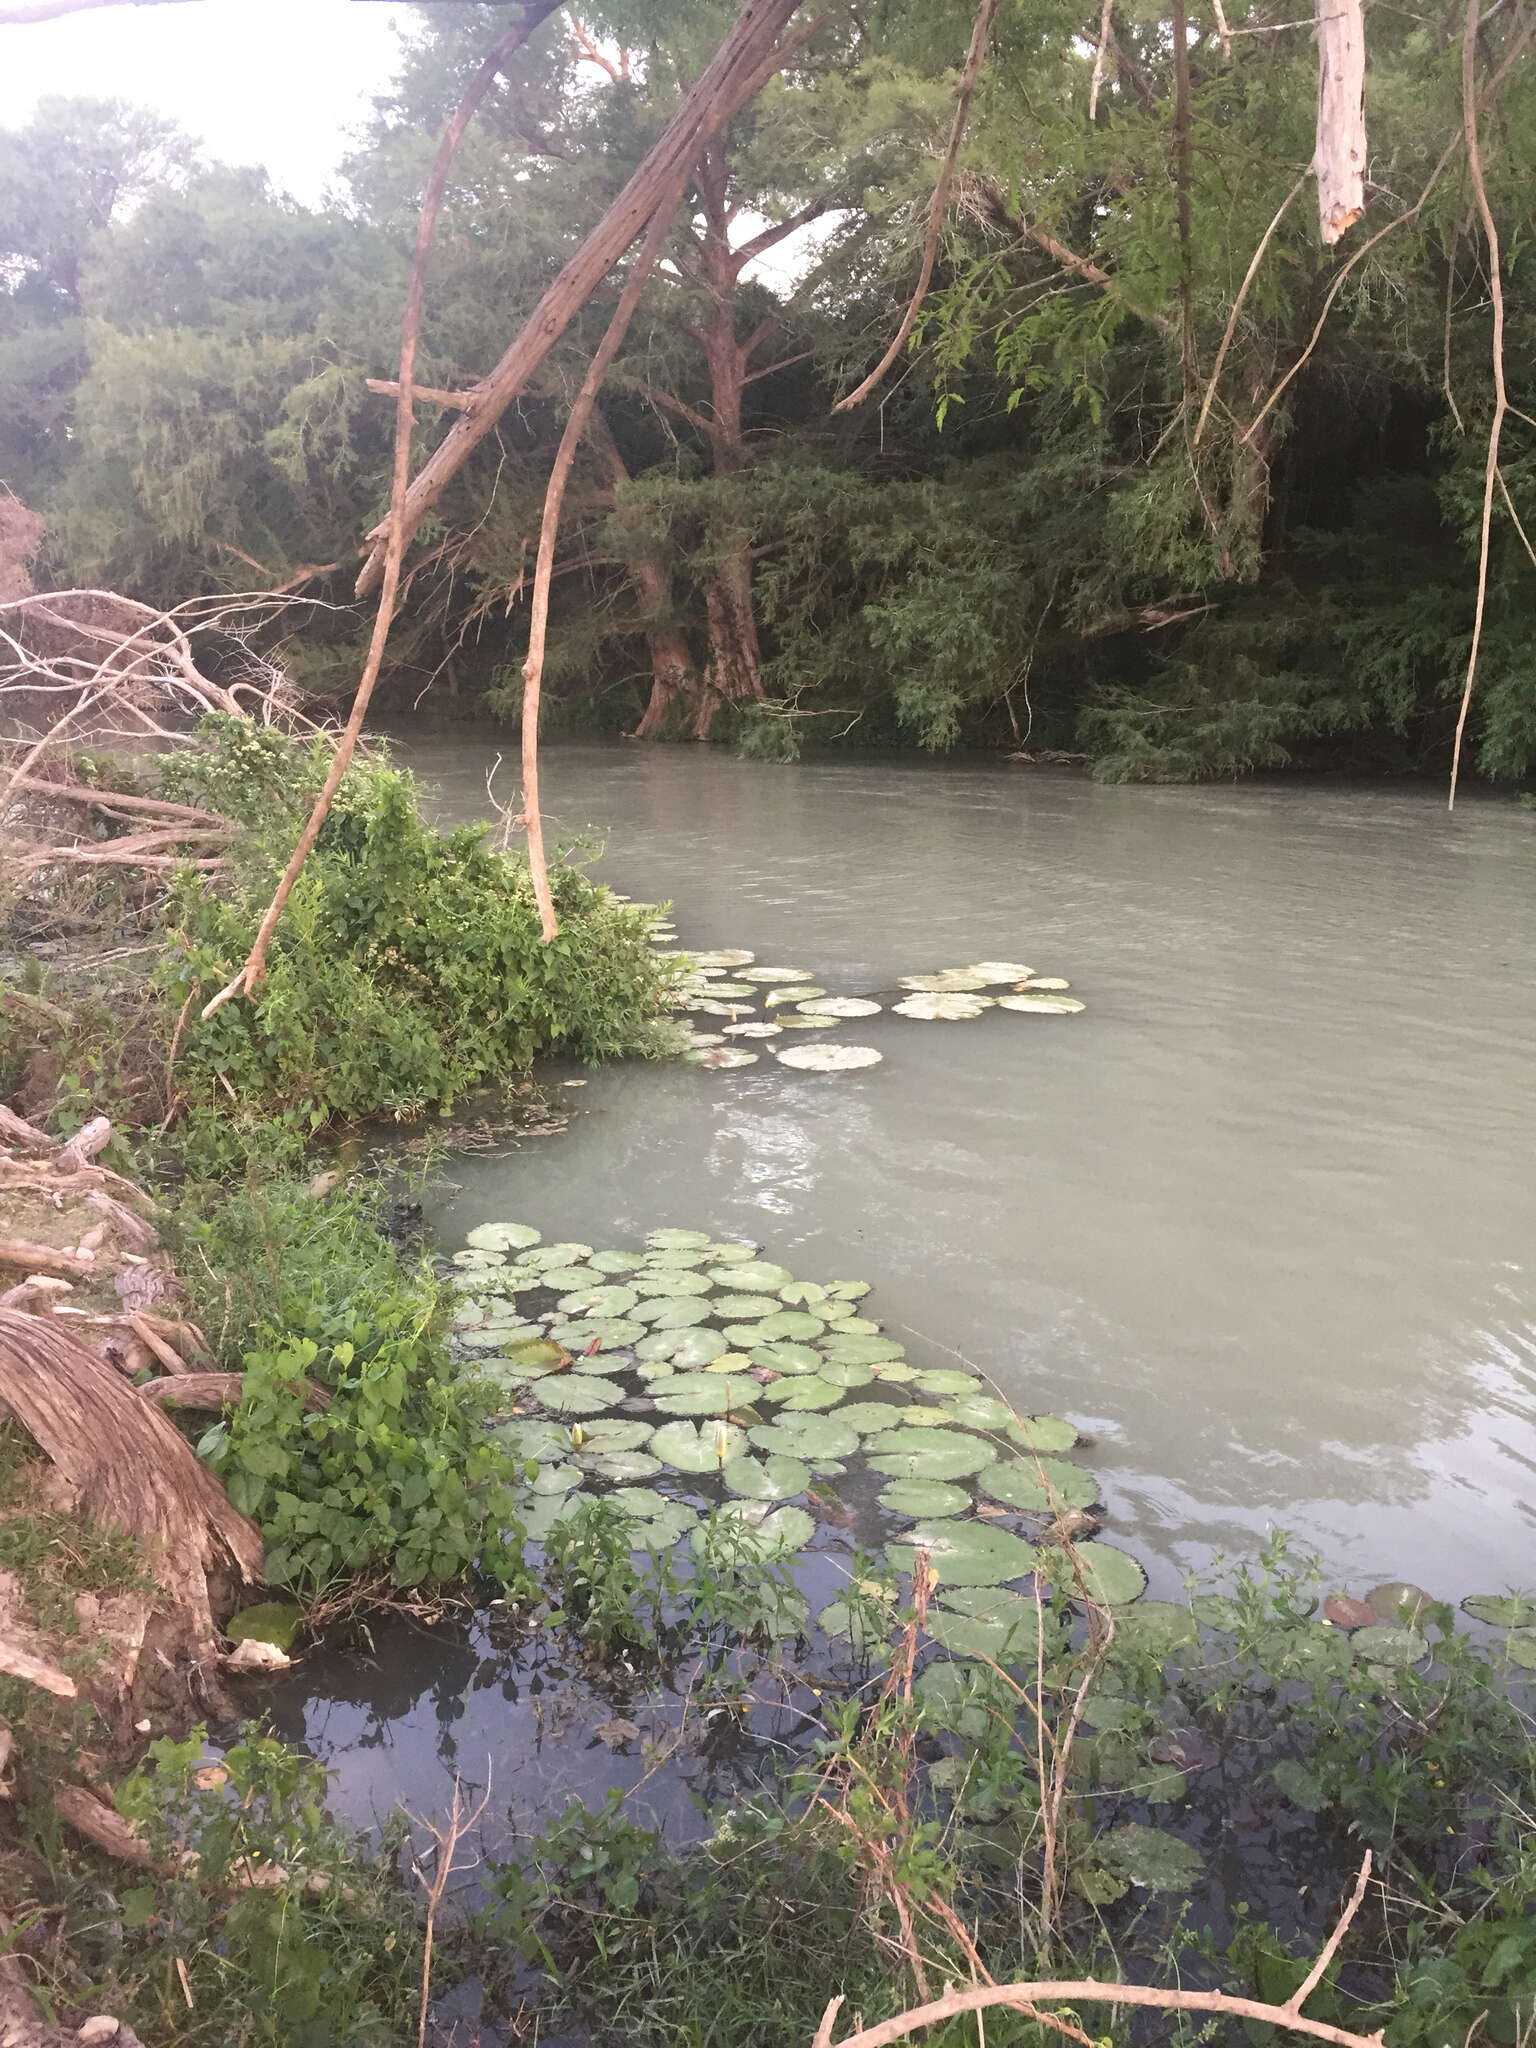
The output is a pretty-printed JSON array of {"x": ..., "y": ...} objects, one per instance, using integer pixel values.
[
  {"x": 753, "y": 1003},
  {"x": 693, "y": 1376}
]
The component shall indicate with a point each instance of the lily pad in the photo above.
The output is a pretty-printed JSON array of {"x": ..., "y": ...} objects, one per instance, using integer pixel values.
[
  {"x": 669, "y": 1239},
  {"x": 862, "y": 1625},
  {"x": 1027, "y": 1004},
  {"x": 828, "y": 1059},
  {"x": 928, "y": 1453},
  {"x": 992, "y": 973},
  {"x": 1043, "y": 1433},
  {"x": 793, "y": 1360},
  {"x": 1397, "y": 1647},
  {"x": 924, "y": 1497},
  {"x": 846, "y": 1372},
  {"x": 656, "y": 1523},
  {"x": 1397, "y": 1602},
  {"x": 734, "y": 1253},
  {"x": 945, "y": 1380},
  {"x": 823, "y": 1005},
  {"x": 780, "y": 1532},
  {"x": 723, "y": 956},
  {"x": 1051, "y": 982},
  {"x": 966, "y": 1699},
  {"x": 1502, "y": 1610},
  {"x": 726, "y": 991},
  {"x": 745, "y": 1308},
  {"x": 554, "y": 1479},
  {"x": 721, "y": 1055},
  {"x": 869, "y": 1417},
  {"x": 1155, "y": 1628},
  {"x": 810, "y": 1436},
  {"x": 616, "y": 1262},
  {"x": 1519, "y": 1646},
  {"x": 671, "y": 1280},
  {"x": 856, "y": 1350},
  {"x": 811, "y": 1020},
  {"x": 690, "y": 1349},
  {"x": 802, "y": 997},
  {"x": 965, "y": 1553},
  {"x": 775, "y": 1477},
  {"x": 698, "y": 1446},
  {"x": 673, "y": 1311},
  {"x": 753, "y": 1030},
  {"x": 847, "y": 1290},
  {"x": 949, "y": 981},
  {"x": 611, "y": 1332},
  {"x": 1111, "y": 1575},
  {"x": 608, "y": 1436},
  {"x": 543, "y": 1258},
  {"x": 268, "y": 1621},
  {"x": 567, "y": 1279},
  {"x": 795, "y": 1323},
  {"x": 535, "y": 1351},
  {"x": 775, "y": 974},
  {"x": 575, "y": 1393},
  {"x": 751, "y": 1273},
  {"x": 1041, "y": 1485},
  {"x": 530, "y": 1439},
  {"x": 502, "y": 1237},
  {"x": 706, "y": 1393},
  {"x": 942, "y": 1008},
  {"x": 1150, "y": 1858},
  {"x": 966, "y": 1635},
  {"x": 801, "y": 1394},
  {"x": 973, "y": 1410}
]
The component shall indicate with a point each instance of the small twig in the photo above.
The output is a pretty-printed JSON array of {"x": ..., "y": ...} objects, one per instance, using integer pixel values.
[
  {"x": 1314, "y": 1976},
  {"x": 459, "y": 1824}
]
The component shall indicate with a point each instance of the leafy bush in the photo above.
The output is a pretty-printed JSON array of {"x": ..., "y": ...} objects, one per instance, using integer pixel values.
[
  {"x": 408, "y": 967},
  {"x": 395, "y": 1476}
]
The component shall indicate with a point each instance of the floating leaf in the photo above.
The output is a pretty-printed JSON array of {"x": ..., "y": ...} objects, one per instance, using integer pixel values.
[
  {"x": 722, "y": 957},
  {"x": 803, "y": 1294},
  {"x": 689, "y": 1348},
  {"x": 733, "y": 1254},
  {"x": 1397, "y": 1601},
  {"x": 705, "y": 1393},
  {"x": 779, "y": 1531},
  {"x": 863, "y": 1350},
  {"x": 1111, "y": 1576},
  {"x": 567, "y": 1279},
  {"x": 723, "y": 991},
  {"x": 721, "y": 1056},
  {"x": 823, "y": 1005},
  {"x": 1216, "y": 1611},
  {"x": 1346, "y": 1613},
  {"x": 1502, "y": 1610},
  {"x": 574, "y": 1393},
  {"x": 869, "y": 1417},
  {"x": 992, "y": 973},
  {"x": 804, "y": 1393},
  {"x": 698, "y": 1446},
  {"x": 1041, "y": 1485},
  {"x": 928, "y": 1453},
  {"x": 846, "y": 1372},
  {"x": 975, "y": 1411},
  {"x": 1041, "y": 1006},
  {"x": 806, "y": 1435},
  {"x": 942, "y": 1009},
  {"x": 1042, "y": 1433},
  {"x": 663, "y": 1527},
  {"x": 965, "y": 1635},
  {"x": 540, "y": 1439},
  {"x": 924, "y": 1497},
  {"x": 828, "y": 1059},
  {"x": 844, "y": 1323},
  {"x": 1050, "y": 982},
  {"x": 268, "y": 1621},
  {"x": 533, "y": 1351},
  {"x": 965, "y": 1553},
  {"x": 794, "y": 1323},
  {"x": 966, "y": 1699},
  {"x": 752, "y": 1030},
  {"x": 1155, "y": 1628},
  {"x": 677, "y": 1259},
  {"x": 770, "y": 974},
  {"x": 775, "y": 1477},
  {"x": 751, "y": 1273},
  {"x": 610, "y": 1331},
  {"x": 745, "y": 1308},
  {"x": 673, "y": 1281},
  {"x": 610, "y": 1435},
  {"x": 812, "y": 1020},
  {"x": 553, "y": 1479},
  {"x": 847, "y": 1290},
  {"x": 673, "y": 1311},
  {"x": 669, "y": 1239},
  {"x": 794, "y": 1360},
  {"x": 616, "y": 1262},
  {"x": 1396, "y": 1647},
  {"x": 802, "y": 998},
  {"x": 944, "y": 1380},
  {"x": 503, "y": 1237},
  {"x": 863, "y": 1626},
  {"x": 950, "y": 981},
  {"x": 598, "y": 1301},
  {"x": 545, "y": 1256},
  {"x": 1150, "y": 1858}
]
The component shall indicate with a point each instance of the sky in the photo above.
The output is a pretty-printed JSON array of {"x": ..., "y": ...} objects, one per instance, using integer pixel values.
[{"x": 271, "y": 82}]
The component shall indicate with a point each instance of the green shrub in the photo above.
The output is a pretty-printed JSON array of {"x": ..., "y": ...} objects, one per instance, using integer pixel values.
[{"x": 408, "y": 967}]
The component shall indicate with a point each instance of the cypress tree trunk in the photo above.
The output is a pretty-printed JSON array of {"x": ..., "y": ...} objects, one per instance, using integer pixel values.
[{"x": 672, "y": 670}]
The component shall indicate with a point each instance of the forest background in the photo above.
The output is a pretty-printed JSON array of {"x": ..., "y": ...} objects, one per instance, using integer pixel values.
[{"x": 1089, "y": 510}]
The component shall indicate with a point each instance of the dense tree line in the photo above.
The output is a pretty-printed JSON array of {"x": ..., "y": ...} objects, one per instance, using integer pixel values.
[{"x": 1087, "y": 510}]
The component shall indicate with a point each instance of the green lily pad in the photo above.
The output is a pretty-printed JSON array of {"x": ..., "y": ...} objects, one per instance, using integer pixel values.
[
  {"x": 809, "y": 1436},
  {"x": 965, "y": 1553},
  {"x": 1395, "y": 1647},
  {"x": 1519, "y": 1646},
  {"x": 847, "y": 1290},
  {"x": 862, "y": 1350},
  {"x": 944, "y": 1380},
  {"x": 529, "y": 1439},
  {"x": 479, "y": 1262},
  {"x": 924, "y": 1497},
  {"x": 609, "y": 1435},
  {"x": 612, "y": 1332},
  {"x": 1111, "y": 1575},
  {"x": 746, "y": 1336},
  {"x": 811, "y": 1020},
  {"x": 553, "y": 1479},
  {"x": 1216, "y": 1611},
  {"x": 823, "y": 1005},
  {"x": 773, "y": 974},
  {"x": 567, "y": 1279},
  {"x": 992, "y": 973},
  {"x": 722, "y": 956},
  {"x": 720, "y": 1055},
  {"x": 662, "y": 1526},
  {"x": 601, "y": 1300},
  {"x": 538, "y": 1517},
  {"x": 677, "y": 1258},
  {"x": 1042, "y": 1433},
  {"x": 802, "y": 995},
  {"x": 574, "y": 1393},
  {"x": 967, "y": 1700},
  {"x": 549, "y": 1257},
  {"x": 1150, "y": 1858},
  {"x": 616, "y": 1262},
  {"x": 897, "y": 1371},
  {"x": 1005, "y": 1640},
  {"x": 503, "y": 1237},
  {"x": 793, "y": 1323},
  {"x": 1399, "y": 1603},
  {"x": 671, "y": 1285},
  {"x": 795, "y": 1360},
  {"x": 622, "y": 1467},
  {"x": 869, "y": 1417},
  {"x": 842, "y": 1322},
  {"x": 758, "y": 1275},
  {"x": 690, "y": 1349},
  {"x": 942, "y": 1007},
  {"x": 803, "y": 1294},
  {"x": 732, "y": 991},
  {"x": 534, "y": 1351},
  {"x": 1027, "y": 1004},
  {"x": 1041, "y": 1485},
  {"x": 859, "y": 1623},
  {"x": 1501, "y": 1610},
  {"x": 828, "y": 1059},
  {"x": 733, "y": 1252},
  {"x": 268, "y": 1621},
  {"x": 804, "y": 1393},
  {"x": 1156, "y": 1629},
  {"x": 706, "y": 1393},
  {"x": 745, "y": 1308},
  {"x": 976, "y": 1411},
  {"x": 948, "y": 981},
  {"x": 846, "y": 1372},
  {"x": 673, "y": 1311},
  {"x": 698, "y": 1446},
  {"x": 775, "y": 1477},
  {"x": 779, "y": 1532},
  {"x": 908, "y": 1453}
]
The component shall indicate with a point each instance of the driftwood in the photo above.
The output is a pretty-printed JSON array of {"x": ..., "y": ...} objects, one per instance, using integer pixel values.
[
  {"x": 215, "y": 1391},
  {"x": 1338, "y": 161},
  {"x": 120, "y": 1458},
  {"x": 47, "y": 1677}
]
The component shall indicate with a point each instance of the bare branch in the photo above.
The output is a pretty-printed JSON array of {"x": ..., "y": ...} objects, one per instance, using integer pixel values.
[
  {"x": 1100, "y": 53},
  {"x": 1237, "y": 305}
]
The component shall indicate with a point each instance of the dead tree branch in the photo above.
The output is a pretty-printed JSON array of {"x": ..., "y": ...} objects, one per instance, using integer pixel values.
[
  {"x": 974, "y": 57},
  {"x": 1340, "y": 155}
]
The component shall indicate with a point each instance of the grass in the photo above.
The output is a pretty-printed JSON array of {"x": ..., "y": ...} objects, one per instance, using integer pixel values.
[{"x": 56, "y": 1556}]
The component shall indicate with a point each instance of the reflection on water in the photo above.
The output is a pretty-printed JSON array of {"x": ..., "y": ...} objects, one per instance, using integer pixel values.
[{"x": 1262, "y": 1219}]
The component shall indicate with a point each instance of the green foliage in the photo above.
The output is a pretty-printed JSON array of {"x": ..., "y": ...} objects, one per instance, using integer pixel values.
[
  {"x": 408, "y": 967},
  {"x": 394, "y": 1478}
]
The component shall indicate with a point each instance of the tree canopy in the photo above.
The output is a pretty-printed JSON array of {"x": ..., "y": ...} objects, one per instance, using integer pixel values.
[{"x": 1161, "y": 477}]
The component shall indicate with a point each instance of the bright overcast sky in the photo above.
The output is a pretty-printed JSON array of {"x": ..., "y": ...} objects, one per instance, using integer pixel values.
[{"x": 272, "y": 82}]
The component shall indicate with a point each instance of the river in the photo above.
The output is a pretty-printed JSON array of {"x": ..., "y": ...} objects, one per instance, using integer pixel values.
[{"x": 1261, "y": 1219}]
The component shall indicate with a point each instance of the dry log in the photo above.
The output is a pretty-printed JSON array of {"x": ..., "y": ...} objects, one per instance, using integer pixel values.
[
  {"x": 101, "y": 1825},
  {"x": 90, "y": 1139},
  {"x": 119, "y": 1455},
  {"x": 18, "y": 1664},
  {"x": 1339, "y": 159},
  {"x": 213, "y": 1391},
  {"x": 47, "y": 1258}
]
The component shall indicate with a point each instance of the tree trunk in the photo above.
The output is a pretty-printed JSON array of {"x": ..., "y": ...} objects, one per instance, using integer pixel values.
[{"x": 672, "y": 670}]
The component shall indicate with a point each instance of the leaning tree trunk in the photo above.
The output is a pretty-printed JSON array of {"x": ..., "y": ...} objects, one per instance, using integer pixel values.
[{"x": 672, "y": 669}]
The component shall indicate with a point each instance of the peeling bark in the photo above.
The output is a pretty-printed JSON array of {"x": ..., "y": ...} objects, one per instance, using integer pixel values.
[{"x": 1339, "y": 159}]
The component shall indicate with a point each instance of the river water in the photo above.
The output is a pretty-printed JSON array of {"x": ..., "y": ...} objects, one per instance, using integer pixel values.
[{"x": 1262, "y": 1219}]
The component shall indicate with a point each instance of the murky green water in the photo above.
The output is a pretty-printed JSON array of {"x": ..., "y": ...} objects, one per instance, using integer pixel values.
[{"x": 1263, "y": 1219}]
